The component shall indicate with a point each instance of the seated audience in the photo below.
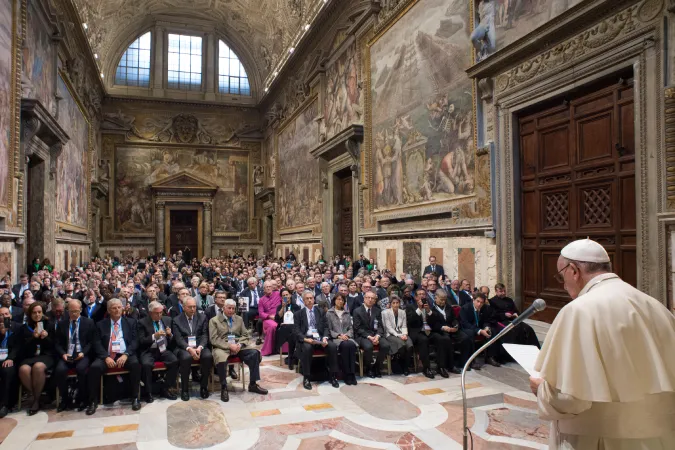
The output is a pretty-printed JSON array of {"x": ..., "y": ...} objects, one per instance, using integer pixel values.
[
  {"x": 267, "y": 310},
  {"x": 369, "y": 333},
  {"x": 32, "y": 353},
  {"x": 115, "y": 347},
  {"x": 229, "y": 337},
  {"x": 324, "y": 300},
  {"x": 93, "y": 308},
  {"x": 341, "y": 333},
  {"x": 285, "y": 319},
  {"x": 505, "y": 311},
  {"x": 55, "y": 315},
  {"x": 203, "y": 298},
  {"x": 253, "y": 293},
  {"x": 477, "y": 321},
  {"x": 311, "y": 333},
  {"x": 72, "y": 349},
  {"x": 156, "y": 343},
  {"x": 354, "y": 297},
  {"x": 192, "y": 345},
  {"x": 394, "y": 322},
  {"x": 447, "y": 336}
]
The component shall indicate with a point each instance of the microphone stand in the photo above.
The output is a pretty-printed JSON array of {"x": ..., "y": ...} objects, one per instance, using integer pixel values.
[{"x": 501, "y": 334}]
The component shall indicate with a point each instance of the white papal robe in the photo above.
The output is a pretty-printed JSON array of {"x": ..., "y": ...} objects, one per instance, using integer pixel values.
[{"x": 609, "y": 371}]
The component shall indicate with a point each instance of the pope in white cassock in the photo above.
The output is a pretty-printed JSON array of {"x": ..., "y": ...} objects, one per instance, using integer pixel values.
[{"x": 608, "y": 363}]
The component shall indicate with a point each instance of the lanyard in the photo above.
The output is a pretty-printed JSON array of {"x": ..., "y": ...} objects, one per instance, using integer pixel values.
[
  {"x": 90, "y": 309},
  {"x": 74, "y": 328},
  {"x": 180, "y": 308},
  {"x": 230, "y": 320},
  {"x": 4, "y": 341}
]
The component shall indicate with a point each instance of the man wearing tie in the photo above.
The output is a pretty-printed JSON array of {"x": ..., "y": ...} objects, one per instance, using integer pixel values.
[
  {"x": 156, "y": 343},
  {"x": 476, "y": 320},
  {"x": 192, "y": 339},
  {"x": 369, "y": 332},
  {"x": 73, "y": 345},
  {"x": 253, "y": 293},
  {"x": 115, "y": 348},
  {"x": 433, "y": 267}
]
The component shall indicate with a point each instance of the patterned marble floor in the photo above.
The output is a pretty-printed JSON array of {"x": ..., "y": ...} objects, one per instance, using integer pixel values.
[{"x": 393, "y": 412}]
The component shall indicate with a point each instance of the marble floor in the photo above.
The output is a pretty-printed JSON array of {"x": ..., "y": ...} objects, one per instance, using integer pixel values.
[{"x": 392, "y": 412}]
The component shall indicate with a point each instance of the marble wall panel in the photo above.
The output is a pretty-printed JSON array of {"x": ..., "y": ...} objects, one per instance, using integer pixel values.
[
  {"x": 6, "y": 267},
  {"x": 391, "y": 260},
  {"x": 412, "y": 259},
  {"x": 438, "y": 254},
  {"x": 467, "y": 265},
  {"x": 372, "y": 255},
  {"x": 68, "y": 254}
]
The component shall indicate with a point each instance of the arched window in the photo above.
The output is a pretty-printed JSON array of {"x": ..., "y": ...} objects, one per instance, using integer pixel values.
[
  {"x": 134, "y": 66},
  {"x": 185, "y": 62},
  {"x": 232, "y": 78}
]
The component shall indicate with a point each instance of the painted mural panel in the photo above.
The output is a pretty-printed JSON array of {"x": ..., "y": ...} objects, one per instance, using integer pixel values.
[
  {"x": 72, "y": 187},
  {"x": 343, "y": 96},
  {"x": 38, "y": 58},
  {"x": 515, "y": 18},
  {"x": 6, "y": 12},
  {"x": 137, "y": 168},
  {"x": 422, "y": 108},
  {"x": 298, "y": 200}
]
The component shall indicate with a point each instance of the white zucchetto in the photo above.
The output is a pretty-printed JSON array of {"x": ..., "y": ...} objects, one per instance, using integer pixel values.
[{"x": 585, "y": 250}]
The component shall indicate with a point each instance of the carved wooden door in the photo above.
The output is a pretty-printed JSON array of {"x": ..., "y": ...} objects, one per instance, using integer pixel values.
[
  {"x": 346, "y": 228},
  {"x": 577, "y": 170},
  {"x": 183, "y": 232}
]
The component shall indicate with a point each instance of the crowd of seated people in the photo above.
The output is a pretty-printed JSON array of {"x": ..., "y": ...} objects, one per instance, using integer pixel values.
[{"x": 122, "y": 318}]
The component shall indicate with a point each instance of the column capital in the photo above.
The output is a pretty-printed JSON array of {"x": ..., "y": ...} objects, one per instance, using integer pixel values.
[
  {"x": 208, "y": 206},
  {"x": 160, "y": 205}
]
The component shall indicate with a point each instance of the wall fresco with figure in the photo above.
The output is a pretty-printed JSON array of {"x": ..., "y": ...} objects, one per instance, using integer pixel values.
[
  {"x": 513, "y": 19},
  {"x": 6, "y": 121},
  {"x": 298, "y": 197},
  {"x": 137, "y": 168},
  {"x": 422, "y": 148},
  {"x": 72, "y": 179},
  {"x": 38, "y": 58},
  {"x": 342, "y": 106}
]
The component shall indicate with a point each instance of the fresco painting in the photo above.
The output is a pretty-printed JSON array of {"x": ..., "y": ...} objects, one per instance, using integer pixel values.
[
  {"x": 422, "y": 145},
  {"x": 38, "y": 58},
  {"x": 299, "y": 196},
  {"x": 6, "y": 127},
  {"x": 72, "y": 187},
  {"x": 343, "y": 96},
  {"x": 138, "y": 168}
]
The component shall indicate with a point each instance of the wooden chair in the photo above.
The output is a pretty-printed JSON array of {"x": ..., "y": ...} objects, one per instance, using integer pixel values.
[
  {"x": 376, "y": 349},
  {"x": 158, "y": 367},
  {"x": 71, "y": 374},
  {"x": 242, "y": 374}
]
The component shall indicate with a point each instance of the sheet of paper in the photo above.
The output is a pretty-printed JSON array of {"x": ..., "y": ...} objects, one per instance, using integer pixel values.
[{"x": 525, "y": 355}]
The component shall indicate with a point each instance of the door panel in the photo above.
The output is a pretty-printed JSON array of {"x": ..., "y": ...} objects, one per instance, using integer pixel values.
[
  {"x": 183, "y": 231},
  {"x": 577, "y": 181}
]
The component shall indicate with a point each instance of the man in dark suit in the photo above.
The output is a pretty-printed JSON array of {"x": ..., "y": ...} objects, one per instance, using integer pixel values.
[
  {"x": 191, "y": 333},
  {"x": 156, "y": 343},
  {"x": 217, "y": 308},
  {"x": 368, "y": 333},
  {"x": 20, "y": 315},
  {"x": 465, "y": 295},
  {"x": 8, "y": 375},
  {"x": 93, "y": 309},
  {"x": 505, "y": 311},
  {"x": 253, "y": 293},
  {"x": 478, "y": 321},
  {"x": 172, "y": 300},
  {"x": 447, "y": 336},
  {"x": 116, "y": 346},
  {"x": 311, "y": 332},
  {"x": 434, "y": 268},
  {"x": 74, "y": 340},
  {"x": 360, "y": 263},
  {"x": 18, "y": 289},
  {"x": 56, "y": 315}
]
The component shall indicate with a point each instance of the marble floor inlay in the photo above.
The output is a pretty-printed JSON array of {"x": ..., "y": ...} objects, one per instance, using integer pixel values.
[{"x": 392, "y": 412}]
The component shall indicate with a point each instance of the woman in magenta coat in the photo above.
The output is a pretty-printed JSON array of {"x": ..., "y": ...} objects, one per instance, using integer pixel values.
[{"x": 267, "y": 309}]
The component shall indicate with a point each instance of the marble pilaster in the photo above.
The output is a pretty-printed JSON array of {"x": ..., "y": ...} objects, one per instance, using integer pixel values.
[
  {"x": 159, "y": 226},
  {"x": 207, "y": 228}
]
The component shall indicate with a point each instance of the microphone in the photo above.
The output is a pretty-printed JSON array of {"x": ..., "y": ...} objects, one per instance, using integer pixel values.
[{"x": 536, "y": 306}]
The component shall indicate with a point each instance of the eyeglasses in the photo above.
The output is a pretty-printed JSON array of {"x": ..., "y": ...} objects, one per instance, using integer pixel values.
[{"x": 559, "y": 277}]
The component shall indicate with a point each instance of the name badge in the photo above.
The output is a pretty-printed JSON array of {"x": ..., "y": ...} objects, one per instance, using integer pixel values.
[
  {"x": 37, "y": 351},
  {"x": 427, "y": 327},
  {"x": 375, "y": 324},
  {"x": 288, "y": 318},
  {"x": 71, "y": 349},
  {"x": 315, "y": 334},
  {"x": 192, "y": 341},
  {"x": 116, "y": 346},
  {"x": 3, "y": 354},
  {"x": 161, "y": 344},
  {"x": 231, "y": 339}
]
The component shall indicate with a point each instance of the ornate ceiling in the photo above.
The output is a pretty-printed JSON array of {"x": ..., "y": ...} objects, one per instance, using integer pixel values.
[{"x": 268, "y": 28}]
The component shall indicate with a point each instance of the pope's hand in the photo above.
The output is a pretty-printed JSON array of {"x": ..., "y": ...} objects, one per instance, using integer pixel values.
[{"x": 534, "y": 384}]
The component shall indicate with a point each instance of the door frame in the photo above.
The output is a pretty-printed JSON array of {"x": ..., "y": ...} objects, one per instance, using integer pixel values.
[
  {"x": 200, "y": 224},
  {"x": 643, "y": 54}
]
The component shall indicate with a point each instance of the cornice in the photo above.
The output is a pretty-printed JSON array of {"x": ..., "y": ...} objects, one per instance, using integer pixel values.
[
  {"x": 337, "y": 145},
  {"x": 564, "y": 26}
]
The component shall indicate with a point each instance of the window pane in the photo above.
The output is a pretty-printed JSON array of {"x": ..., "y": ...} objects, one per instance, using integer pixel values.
[
  {"x": 185, "y": 62},
  {"x": 135, "y": 60},
  {"x": 231, "y": 74}
]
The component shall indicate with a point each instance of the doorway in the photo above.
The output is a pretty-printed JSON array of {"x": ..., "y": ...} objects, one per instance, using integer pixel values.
[
  {"x": 577, "y": 180},
  {"x": 183, "y": 232},
  {"x": 343, "y": 213}
]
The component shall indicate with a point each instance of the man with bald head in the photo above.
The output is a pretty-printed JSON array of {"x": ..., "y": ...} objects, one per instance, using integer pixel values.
[
  {"x": 607, "y": 374},
  {"x": 191, "y": 331},
  {"x": 73, "y": 344}
]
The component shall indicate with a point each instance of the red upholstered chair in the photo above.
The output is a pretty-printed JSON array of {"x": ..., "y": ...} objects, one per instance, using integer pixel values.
[
  {"x": 242, "y": 374},
  {"x": 159, "y": 366}
]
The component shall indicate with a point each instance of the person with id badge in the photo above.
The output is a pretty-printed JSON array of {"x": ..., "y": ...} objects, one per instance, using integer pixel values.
[
  {"x": 32, "y": 353},
  {"x": 368, "y": 331},
  {"x": 156, "y": 343},
  {"x": 8, "y": 330},
  {"x": 192, "y": 344},
  {"x": 73, "y": 345},
  {"x": 285, "y": 320}
]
